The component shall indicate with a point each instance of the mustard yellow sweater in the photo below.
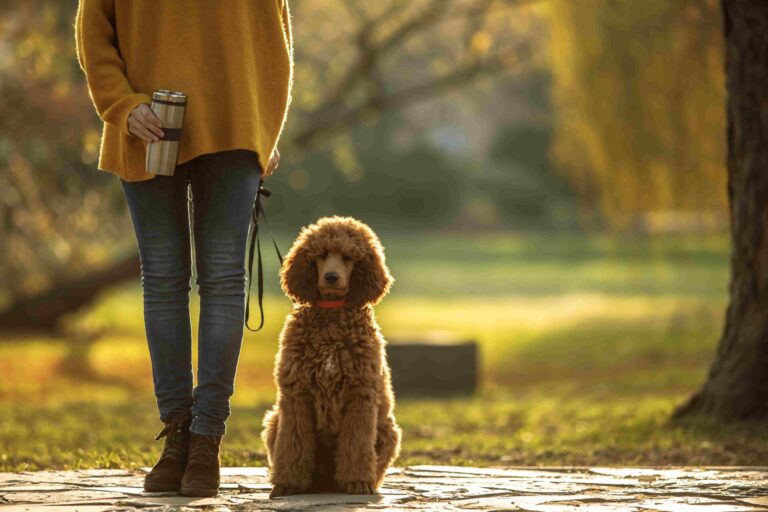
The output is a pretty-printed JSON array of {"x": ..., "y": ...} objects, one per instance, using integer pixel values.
[{"x": 232, "y": 58}]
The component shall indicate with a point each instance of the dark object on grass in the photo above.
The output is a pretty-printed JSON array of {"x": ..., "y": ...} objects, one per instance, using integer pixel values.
[{"x": 431, "y": 365}]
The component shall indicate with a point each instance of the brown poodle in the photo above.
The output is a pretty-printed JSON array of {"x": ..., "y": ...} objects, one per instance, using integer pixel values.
[{"x": 332, "y": 427}]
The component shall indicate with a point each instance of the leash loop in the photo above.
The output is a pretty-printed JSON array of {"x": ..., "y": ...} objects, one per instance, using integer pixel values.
[{"x": 258, "y": 211}]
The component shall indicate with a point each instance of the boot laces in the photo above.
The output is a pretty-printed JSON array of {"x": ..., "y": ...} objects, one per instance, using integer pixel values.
[{"x": 173, "y": 437}]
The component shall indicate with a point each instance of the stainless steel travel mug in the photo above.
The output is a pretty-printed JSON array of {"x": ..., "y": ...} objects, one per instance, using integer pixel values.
[{"x": 162, "y": 155}]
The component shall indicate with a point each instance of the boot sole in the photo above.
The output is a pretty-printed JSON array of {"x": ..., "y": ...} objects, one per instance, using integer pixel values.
[
  {"x": 199, "y": 491},
  {"x": 160, "y": 487}
]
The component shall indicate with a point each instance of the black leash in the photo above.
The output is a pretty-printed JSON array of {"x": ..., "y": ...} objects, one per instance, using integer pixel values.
[{"x": 258, "y": 210}]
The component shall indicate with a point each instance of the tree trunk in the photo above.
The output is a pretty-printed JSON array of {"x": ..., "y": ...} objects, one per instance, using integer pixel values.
[{"x": 737, "y": 385}]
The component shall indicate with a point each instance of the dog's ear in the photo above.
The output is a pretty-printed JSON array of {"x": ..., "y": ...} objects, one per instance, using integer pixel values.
[
  {"x": 370, "y": 280},
  {"x": 298, "y": 275}
]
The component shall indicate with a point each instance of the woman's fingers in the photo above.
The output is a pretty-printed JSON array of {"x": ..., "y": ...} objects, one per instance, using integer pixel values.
[
  {"x": 277, "y": 159},
  {"x": 140, "y": 131},
  {"x": 273, "y": 163},
  {"x": 145, "y": 124},
  {"x": 137, "y": 124},
  {"x": 151, "y": 120}
]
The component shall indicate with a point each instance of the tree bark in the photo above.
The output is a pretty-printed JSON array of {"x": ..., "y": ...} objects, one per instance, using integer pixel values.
[{"x": 737, "y": 385}]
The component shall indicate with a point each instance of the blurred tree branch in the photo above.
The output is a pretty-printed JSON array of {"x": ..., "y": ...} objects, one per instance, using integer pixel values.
[
  {"x": 343, "y": 118},
  {"x": 335, "y": 113},
  {"x": 66, "y": 295}
]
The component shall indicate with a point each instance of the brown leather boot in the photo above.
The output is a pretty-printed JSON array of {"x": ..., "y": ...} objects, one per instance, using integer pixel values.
[
  {"x": 202, "y": 476},
  {"x": 167, "y": 472}
]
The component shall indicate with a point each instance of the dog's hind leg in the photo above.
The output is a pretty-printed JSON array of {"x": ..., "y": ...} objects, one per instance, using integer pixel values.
[
  {"x": 388, "y": 436},
  {"x": 269, "y": 433}
]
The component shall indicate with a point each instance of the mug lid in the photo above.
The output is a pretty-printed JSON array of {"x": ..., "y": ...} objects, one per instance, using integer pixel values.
[{"x": 169, "y": 96}]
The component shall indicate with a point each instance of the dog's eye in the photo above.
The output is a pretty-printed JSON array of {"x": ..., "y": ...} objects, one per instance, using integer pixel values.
[{"x": 346, "y": 257}]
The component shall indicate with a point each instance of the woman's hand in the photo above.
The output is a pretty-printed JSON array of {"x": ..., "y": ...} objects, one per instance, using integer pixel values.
[
  {"x": 272, "y": 165},
  {"x": 145, "y": 124}
]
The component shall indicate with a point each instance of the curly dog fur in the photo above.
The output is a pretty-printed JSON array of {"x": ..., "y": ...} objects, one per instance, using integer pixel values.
[{"x": 332, "y": 427}]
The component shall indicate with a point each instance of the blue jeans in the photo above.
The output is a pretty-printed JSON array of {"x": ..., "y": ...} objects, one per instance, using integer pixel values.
[{"x": 224, "y": 186}]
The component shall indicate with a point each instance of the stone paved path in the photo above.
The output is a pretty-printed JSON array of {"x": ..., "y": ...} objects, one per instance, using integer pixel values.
[{"x": 414, "y": 488}]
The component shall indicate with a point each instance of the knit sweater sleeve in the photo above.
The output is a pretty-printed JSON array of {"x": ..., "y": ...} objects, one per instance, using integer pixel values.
[{"x": 104, "y": 68}]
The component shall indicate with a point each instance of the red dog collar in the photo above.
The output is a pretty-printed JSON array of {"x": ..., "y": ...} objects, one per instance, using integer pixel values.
[{"x": 331, "y": 304}]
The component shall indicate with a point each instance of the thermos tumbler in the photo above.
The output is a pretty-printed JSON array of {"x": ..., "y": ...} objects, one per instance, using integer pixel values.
[{"x": 162, "y": 155}]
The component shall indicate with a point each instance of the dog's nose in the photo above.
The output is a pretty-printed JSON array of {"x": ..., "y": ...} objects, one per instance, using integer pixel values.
[{"x": 331, "y": 277}]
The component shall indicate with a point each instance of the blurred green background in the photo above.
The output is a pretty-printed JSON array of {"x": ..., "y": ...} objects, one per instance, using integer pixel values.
[{"x": 548, "y": 178}]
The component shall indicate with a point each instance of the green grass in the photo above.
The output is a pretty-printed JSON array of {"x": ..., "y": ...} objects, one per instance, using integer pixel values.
[{"x": 586, "y": 343}]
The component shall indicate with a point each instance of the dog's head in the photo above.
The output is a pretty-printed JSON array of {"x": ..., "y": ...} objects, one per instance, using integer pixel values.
[{"x": 334, "y": 258}]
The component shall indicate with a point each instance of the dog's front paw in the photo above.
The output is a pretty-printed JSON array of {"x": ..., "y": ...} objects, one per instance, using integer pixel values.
[
  {"x": 359, "y": 487},
  {"x": 283, "y": 490}
]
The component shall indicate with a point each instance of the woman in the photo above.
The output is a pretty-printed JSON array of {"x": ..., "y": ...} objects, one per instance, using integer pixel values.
[{"x": 234, "y": 62}]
